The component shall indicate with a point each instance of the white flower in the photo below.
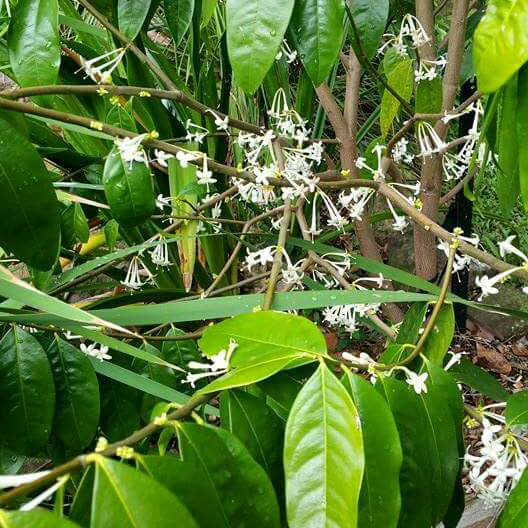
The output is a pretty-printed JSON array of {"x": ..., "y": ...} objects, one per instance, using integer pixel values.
[
  {"x": 293, "y": 273},
  {"x": 99, "y": 352},
  {"x": 219, "y": 365},
  {"x": 195, "y": 132},
  {"x": 487, "y": 286},
  {"x": 133, "y": 276},
  {"x": 205, "y": 176},
  {"x": 453, "y": 360},
  {"x": 506, "y": 247},
  {"x": 429, "y": 141},
  {"x": 100, "y": 68},
  {"x": 412, "y": 29},
  {"x": 12, "y": 481},
  {"x": 184, "y": 157},
  {"x": 162, "y": 157},
  {"x": 131, "y": 150},
  {"x": 160, "y": 255},
  {"x": 363, "y": 360},
  {"x": 221, "y": 123},
  {"x": 260, "y": 257},
  {"x": 417, "y": 381},
  {"x": 162, "y": 202}
]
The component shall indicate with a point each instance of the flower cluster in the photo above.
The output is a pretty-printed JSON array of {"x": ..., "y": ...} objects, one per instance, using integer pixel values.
[
  {"x": 412, "y": 34},
  {"x": 99, "y": 352},
  {"x": 100, "y": 69}
]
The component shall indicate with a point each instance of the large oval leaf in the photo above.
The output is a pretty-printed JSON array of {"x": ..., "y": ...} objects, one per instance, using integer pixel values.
[
  {"x": 235, "y": 488},
  {"x": 179, "y": 16},
  {"x": 263, "y": 335},
  {"x": 33, "y": 42},
  {"x": 255, "y": 30},
  {"x": 128, "y": 190},
  {"x": 77, "y": 406},
  {"x": 126, "y": 498},
  {"x": 33, "y": 519},
  {"x": 27, "y": 394},
  {"x": 29, "y": 213},
  {"x": 131, "y": 16},
  {"x": 438, "y": 341},
  {"x": 260, "y": 430},
  {"x": 317, "y": 31},
  {"x": 323, "y": 455},
  {"x": 516, "y": 411},
  {"x": 370, "y": 19},
  {"x": 500, "y": 45},
  {"x": 379, "y": 500}
]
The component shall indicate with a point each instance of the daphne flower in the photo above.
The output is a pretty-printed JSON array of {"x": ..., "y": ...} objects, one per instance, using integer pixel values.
[
  {"x": 506, "y": 247},
  {"x": 291, "y": 55},
  {"x": 162, "y": 157},
  {"x": 99, "y": 352},
  {"x": 195, "y": 132},
  {"x": 412, "y": 29},
  {"x": 364, "y": 360},
  {"x": 293, "y": 273},
  {"x": 221, "y": 123},
  {"x": 417, "y": 381},
  {"x": 429, "y": 70},
  {"x": 261, "y": 257},
  {"x": 131, "y": 150},
  {"x": 133, "y": 276},
  {"x": 429, "y": 141},
  {"x": 487, "y": 286},
  {"x": 160, "y": 255},
  {"x": 335, "y": 220},
  {"x": 205, "y": 176},
  {"x": 100, "y": 68},
  {"x": 219, "y": 365}
]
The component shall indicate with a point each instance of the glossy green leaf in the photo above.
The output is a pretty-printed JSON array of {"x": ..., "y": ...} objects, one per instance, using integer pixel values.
[
  {"x": 255, "y": 31},
  {"x": 263, "y": 335},
  {"x": 507, "y": 185},
  {"x": 179, "y": 16},
  {"x": 33, "y": 519},
  {"x": 126, "y": 498},
  {"x": 515, "y": 513},
  {"x": 430, "y": 454},
  {"x": 379, "y": 500},
  {"x": 317, "y": 32},
  {"x": 81, "y": 507},
  {"x": 29, "y": 215},
  {"x": 517, "y": 408},
  {"x": 128, "y": 190},
  {"x": 260, "y": 430},
  {"x": 77, "y": 395},
  {"x": 34, "y": 44},
  {"x": 522, "y": 132},
  {"x": 282, "y": 389},
  {"x": 27, "y": 394},
  {"x": 401, "y": 79},
  {"x": 429, "y": 96},
  {"x": 370, "y": 19},
  {"x": 500, "y": 44},
  {"x": 131, "y": 16},
  {"x": 439, "y": 339},
  {"x": 234, "y": 487},
  {"x": 478, "y": 379},
  {"x": 323, "y": 455},
  {"x": 249, "y": 374}
]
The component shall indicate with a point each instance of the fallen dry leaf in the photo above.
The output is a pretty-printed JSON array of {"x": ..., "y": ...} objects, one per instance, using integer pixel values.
[{"x": 492, "y": 359}]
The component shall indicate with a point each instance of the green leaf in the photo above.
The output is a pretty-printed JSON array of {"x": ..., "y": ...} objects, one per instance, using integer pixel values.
[
  {"x": 370, "y": 19},
  {"x": 379, "y": 500},
  {"x": 111, "y": 233},
  {"x": 522, "y": 132},
  {"x": 323, "y": 455},
  {"x": 498, "y": 53},
  {"x": 517, "y": 408},
  {"x": 179, "y": 16},
  {"x": 478, "y": 379},
  {"x": 27, "y": 394},
  {"x": 260, "y": 430},
  {"x": 430, "y": 453},
  {"x": 429, "y": 96},
  {"x": 131, "y": 16},
  {"x": 29, "y": 216},
  {"x": 255, "y": 30},
  {"x": 33, "y": 519},
  {"x": 515, "y": 513},
  {"x": 282, "y": 389},
  {"x": 317, "y": 32},
  {"x": 262, "y": 335},
  {"x": 235, "y": 488},
  {"x": 507, "y": 185},
  {"x": 77, "y": 395},
  {"x": 126, "y": 498},
  {"x": 128, "y": 190},
  {"x": 34, "y": 44},
  {"x": 401, "y": 79},
  {"x": 438, "y": 341},
  {"x": 248, "y": 374}
]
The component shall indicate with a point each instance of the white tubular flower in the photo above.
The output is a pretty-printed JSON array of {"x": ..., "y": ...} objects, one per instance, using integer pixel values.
[
  {"x": 133, "y": 276},
  {"x": 340, "y": 261},
  {"x": 506, "y": 247},
  {"x": 262, "y": 257},
  {"x": 429, "y": 141},
  {"x": 131, "y": 150},
  {"x": 499, "y": 464},
  {"x": 416, "y": 381},
  {"x": 285, "y": 49},
  {"x": 347, "y": 315},
  {"x": 400, "y": 152},
  {"x": 221, "y": 123},
  {"x": 100, "y": 68},
  {"x": 12, "y": 481},
  {"x": 162, "y": 201},
  {"x": 454, "y": 359},
  {"x": 219, "y": 365},
  {"x": 412, "y": 29},
  {"x": 184, "y": 157},
  {"x": 162, "y": 157},
  {"x": 45, "y": 495},
  {"x": 205, "y": 176},
  {"x": 400, "y": 222},
  {"x": 293, "y": 273},
  {"x": 363, "y": 359},
  {"x": 160, "y": 255},
  {"x": 335, "y": 220},
  {"x": 429, "y": 70},
  {"x": 195, "y": 133},
  {"x": 99, "y": 352}
]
